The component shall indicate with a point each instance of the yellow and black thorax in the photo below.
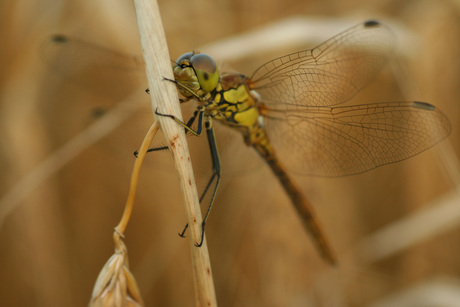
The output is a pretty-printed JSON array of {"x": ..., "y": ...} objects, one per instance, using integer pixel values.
[{"x": 226, "y": 98}]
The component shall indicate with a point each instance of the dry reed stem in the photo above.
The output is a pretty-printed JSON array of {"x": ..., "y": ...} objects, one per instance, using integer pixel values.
[
  {"x": 121, "y": 227},
  {"x": 164, "y": 97},
  {"x": 66, "y": 153},
  {"x": 115, "y": 285}
]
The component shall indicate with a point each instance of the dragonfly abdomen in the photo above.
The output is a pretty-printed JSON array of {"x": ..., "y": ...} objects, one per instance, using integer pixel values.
[{"x": 301, "y": 204}]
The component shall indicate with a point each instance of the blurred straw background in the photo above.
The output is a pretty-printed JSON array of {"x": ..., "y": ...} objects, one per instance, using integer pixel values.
[{"x": 66, "y": 157}]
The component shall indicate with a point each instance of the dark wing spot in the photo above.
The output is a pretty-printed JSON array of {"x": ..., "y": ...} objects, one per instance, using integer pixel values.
[
  {"x": 59, "y": 38},
  {"x": 423, "y": 106},
  {"x": 371, "y": 23}
]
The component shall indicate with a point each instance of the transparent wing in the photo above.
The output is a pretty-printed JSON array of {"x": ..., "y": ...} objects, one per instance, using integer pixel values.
[
  {"x": 107, "y": 77},
  {"x": 329, "y": 74},
  {"x": 340, "y": 141},
  {"x": 92, "y": 67}
]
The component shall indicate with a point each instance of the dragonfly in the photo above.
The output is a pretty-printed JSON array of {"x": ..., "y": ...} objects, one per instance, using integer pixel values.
[
  {"x": 287, "y": 107},
  {"x": 292, "y": 111}
]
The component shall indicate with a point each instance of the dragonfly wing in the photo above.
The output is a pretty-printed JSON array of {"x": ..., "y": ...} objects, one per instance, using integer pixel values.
[
  {"x": 329, "y": 74},
  {"x": 349, "y": 140},
  {"x": 92, "y": 67}
]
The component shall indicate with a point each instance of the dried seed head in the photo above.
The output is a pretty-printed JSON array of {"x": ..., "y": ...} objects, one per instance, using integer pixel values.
[{"x": 115, "y": 286}]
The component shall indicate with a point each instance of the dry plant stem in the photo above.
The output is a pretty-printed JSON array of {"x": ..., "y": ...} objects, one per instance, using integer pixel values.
[
  {"x": 121, "y": 227},
  {"x": 63, "y": 155},
  {"x": 115, "y": 285},
  {"x": 164, "y": 98}
]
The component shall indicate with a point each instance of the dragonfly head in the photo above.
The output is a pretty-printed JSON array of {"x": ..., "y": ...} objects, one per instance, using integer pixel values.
[{"x": 197, "y": 73}]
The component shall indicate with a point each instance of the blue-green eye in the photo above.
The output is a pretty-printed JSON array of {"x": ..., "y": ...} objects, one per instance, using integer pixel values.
[
  {"x": 206, "y": 71},
  {"x": 185, "y": 56}
]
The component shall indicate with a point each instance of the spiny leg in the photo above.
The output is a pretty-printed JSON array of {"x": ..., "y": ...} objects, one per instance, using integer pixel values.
[
  {"x": 215, "y": 177},
  {"x": 213, "y": 148},
  {"x": 187, "y": 126}
]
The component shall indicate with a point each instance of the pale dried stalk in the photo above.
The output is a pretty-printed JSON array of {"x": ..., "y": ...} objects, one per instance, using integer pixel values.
[
  {"x": 66, "y": 153},
  {"x": 115, "y": 285},
  {"x": 164, "y": 98},
  {"x": 121, "y": 227}
]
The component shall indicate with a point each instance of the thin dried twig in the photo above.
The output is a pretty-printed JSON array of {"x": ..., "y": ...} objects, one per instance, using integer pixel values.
[
  {"x": 121, "y": 227},
  {"x": 164, "y": 98},
  {"x": 66, "y": 153},
  {"x": 115, "y": 285}
]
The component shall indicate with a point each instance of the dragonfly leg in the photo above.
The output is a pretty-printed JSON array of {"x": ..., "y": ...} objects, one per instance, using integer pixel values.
[
  {"x": 152, "y": 149},
  {"x": 215, "y": 176},
  {"x": 185, "y": 88},
  {"x": 180, "y": 99},
  {"x": 187, "y": 126},
  {"x": 214, "y": 156},
  {"x": 182, "y": 234}
]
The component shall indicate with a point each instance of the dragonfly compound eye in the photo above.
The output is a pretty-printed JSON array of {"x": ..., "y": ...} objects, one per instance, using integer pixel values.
[
  {"x": 206, "y": 71},
  {"x": 183, "y": 58}
]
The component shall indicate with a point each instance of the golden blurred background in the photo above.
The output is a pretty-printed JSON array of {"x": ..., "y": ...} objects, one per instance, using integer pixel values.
[{"x": 69, "y": 128}]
